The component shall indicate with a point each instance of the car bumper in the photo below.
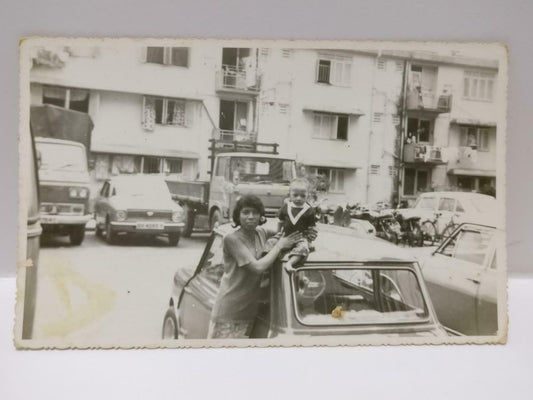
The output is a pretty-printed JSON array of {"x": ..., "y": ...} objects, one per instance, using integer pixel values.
[
  {"x": 133, "y": 227},
  {"x": 57, "y": 219}
]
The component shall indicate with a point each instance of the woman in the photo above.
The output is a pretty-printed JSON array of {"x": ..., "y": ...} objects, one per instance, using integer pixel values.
[{"x": 244, "y": 262}]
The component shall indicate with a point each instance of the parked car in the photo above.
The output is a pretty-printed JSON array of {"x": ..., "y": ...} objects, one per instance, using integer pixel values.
[
  {"x": 462, "y": 276},
  {"x": 441, "y": 207},
  {"x": 350, "y": 285},
  {"x": 137, "y": 204}
]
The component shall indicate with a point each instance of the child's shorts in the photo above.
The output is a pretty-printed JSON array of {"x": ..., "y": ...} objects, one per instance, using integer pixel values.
[{"x": 301, "y": 248}]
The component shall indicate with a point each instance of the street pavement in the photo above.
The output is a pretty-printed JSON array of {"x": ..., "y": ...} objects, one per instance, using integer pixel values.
[{"x": 98, "y": 294}]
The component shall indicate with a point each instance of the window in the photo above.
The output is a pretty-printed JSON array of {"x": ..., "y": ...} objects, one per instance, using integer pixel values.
[
  {"x": 377, "y": 117},
  {"x": 222, "y": 166},
  {"x": 286, "y": 53},
  {"x": 72, "y": 99},
  {"x": 374, "y": 169},
  {"x": 151, "y": 165},
  {"x": 478, "y": 86},
  {"x": 446, "y": 204},
  {"x": 168, "y": 56},
  {"x": 330, "y": 126},
  {"x": 415, "y": 180},
  {"x": 382, "y": 64},
  {"x": 172, "y": 166},
  {"x": 469, "y": 245},
  {"x": 420, "y": 128},
  {"x": 335, "y": 177},
  {"x": 162, "y": 111},
  {"x": 477, "y": 138},
  {"x": 335, "y": 70}
]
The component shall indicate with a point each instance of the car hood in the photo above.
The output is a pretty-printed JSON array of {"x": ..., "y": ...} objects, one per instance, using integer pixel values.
[{"x": 144, "y": 203}]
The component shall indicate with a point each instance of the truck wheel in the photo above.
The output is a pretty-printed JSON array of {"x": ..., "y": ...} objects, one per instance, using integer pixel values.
[
  {"x": 109, "y": 234},
  {"x": 173, "y": 239},
  {"x": 189, "y": 221},
  {"x": 76, "y": 234},
  {"x": 215, "y": 220}
]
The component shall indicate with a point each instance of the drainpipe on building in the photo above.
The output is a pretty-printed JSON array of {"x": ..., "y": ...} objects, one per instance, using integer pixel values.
[{"x": 403, "y": 124}]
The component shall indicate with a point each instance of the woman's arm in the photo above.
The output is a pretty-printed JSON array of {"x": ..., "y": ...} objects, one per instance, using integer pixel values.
[{"x": 266, "y": 261}]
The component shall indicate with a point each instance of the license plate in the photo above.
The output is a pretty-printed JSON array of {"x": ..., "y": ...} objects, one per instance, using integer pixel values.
[
  {"x": 47, "y": 220},
  {"x": 150, "y": 225}
]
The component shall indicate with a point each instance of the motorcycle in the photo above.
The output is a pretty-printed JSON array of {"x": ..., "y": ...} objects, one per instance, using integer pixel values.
[{"x": 410, "y": 227}]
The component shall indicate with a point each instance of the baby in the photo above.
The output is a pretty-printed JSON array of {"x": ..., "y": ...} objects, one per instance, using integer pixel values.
[{"x": 297, "y": 215}]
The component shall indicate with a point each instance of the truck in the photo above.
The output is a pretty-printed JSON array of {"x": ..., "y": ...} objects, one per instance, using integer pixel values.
[
  {"x": 237, "y": 168},
  {"x": 62, "y": 140}
]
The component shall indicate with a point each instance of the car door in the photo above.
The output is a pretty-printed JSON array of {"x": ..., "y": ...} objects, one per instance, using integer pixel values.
[
  {"x": 487, "y": 300},
  {"x": 199, "y": 294},
  {"x": 454, "y": 275}
]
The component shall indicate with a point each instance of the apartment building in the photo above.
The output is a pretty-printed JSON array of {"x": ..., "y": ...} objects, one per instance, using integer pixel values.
[
  {"x": 377, "y": 126},
  {"x": 154, "y": 108}
]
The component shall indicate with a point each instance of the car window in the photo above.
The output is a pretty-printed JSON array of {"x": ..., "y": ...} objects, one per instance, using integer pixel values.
[
  {"x": 469, "y": 245},
  {"x": 459, "y": 207},
  {"x": 446, "y": 204},
  {"x": 214, "y": 264},
  {"x": 426, "y": 203}
]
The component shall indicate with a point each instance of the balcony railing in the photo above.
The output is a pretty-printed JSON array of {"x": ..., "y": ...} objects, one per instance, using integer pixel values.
[
  {"x": 235, "y": 79},
  {"x": 429, "y": 102},
  {"x": 235, "y": 136},
  {"x": 422, "y": 153}
]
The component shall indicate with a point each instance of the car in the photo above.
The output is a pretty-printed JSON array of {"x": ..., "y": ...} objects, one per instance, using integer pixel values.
[
  {"x": 129, "y": 204},
  {"x": 462, "y": 275},
  {"x": 349, "y": 285},
  {"x": 441, "y": 208}
]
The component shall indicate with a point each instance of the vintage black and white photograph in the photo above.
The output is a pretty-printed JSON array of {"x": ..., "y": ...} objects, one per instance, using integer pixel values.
[{"x": 215, "y": 193}]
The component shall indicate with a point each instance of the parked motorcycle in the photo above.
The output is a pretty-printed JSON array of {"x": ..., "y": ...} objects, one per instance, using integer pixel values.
[{"x": 410, "y": 227}]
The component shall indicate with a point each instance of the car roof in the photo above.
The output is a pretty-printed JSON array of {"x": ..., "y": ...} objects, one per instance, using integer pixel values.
[
  {"x": 42, "y": 139},
  {"x": 335, "y": 243},
  {"x": 455, "y": 194}
]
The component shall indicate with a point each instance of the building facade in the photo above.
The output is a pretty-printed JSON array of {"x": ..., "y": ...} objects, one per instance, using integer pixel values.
[{"x": 376, "y": 126}]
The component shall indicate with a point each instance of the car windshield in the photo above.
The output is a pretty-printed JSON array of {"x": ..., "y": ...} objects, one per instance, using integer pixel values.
[
  {"x": 61, "y": 157},
  {"x": 357, "y": 296},
  {"x": 425, "y": 203},
  {"x": 261, "y": 170},
  {"x": 141, "y": 187}
]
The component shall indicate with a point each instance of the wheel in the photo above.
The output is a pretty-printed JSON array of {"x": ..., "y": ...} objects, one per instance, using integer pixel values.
[
  {"x": 428, "y": 233},
  {"x": 216, "y": 218},
  {"x": 170, "y": 325},
  {"x": 189, "y": 220},
  {"x": 448, "y": 231},
  {"x": 173, "y": 239},
  {"x": 77, "y": 233},
  {"x": 110, "y": 236}
]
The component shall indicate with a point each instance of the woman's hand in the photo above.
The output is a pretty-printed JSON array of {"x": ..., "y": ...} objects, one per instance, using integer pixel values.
[
  {"x": 286, "y": 242},
  {"x": 311, "y": 233}
]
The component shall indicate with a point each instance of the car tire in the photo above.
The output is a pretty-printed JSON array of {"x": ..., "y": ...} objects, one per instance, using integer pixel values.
[
  {"x": 189, "y": 220},
  {"x": 77, "y": 234},
  {"x": 170, "y": 325},
  {"x": 173, "y": 239},
  {"x": 110, "y": 236},
  {"x": 215, "y": 220}
]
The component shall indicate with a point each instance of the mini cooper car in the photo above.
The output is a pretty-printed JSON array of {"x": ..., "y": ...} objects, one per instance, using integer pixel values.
[
  {"x": 137, "y": 204},
  {"x": 462, "y": 276},
  {"x": 349, "y": 285}
]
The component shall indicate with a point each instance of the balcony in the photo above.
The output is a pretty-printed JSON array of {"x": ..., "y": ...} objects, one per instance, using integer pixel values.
[
  {"x": 422, "y": 153},
  {"x": 232, "y": 79},
  {"x": 235, "y": 136},
  {"x": 428, "y": 102}
]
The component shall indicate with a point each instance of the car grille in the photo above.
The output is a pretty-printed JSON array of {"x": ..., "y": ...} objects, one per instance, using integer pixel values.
[
  {"x": 143, "y": 215},
  {"x": 62, "y": 208}
]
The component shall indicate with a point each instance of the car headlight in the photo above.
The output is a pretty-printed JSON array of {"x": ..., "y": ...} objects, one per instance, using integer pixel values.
[
  {"x": 120, "y": 215},
  {"x": 76, "y": 192},
  {"x": 177, "y": 216}
]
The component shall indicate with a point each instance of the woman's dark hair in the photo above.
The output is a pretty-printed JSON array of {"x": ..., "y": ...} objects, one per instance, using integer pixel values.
[{"x": 248, "y": 200}]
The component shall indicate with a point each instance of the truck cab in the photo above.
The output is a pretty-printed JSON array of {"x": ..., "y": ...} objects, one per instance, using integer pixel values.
[
  {"x": 63, "y": 187},
  {"x": 235, "y": 174}
]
